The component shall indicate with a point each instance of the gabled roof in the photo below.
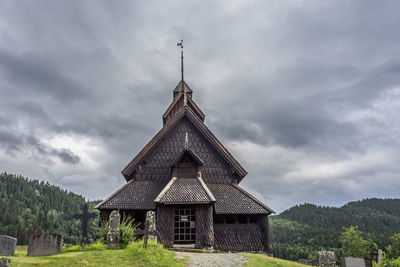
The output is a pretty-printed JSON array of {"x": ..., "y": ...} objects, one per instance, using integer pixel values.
[
  {"x": 182, "y": 99},
  {"x": 185, "y": 191},
  {"x": 184, "y": 88},
  {"x": 185, "y": 111},
  {"x": 138, "y": 195},
  {"x": 231, "y": 199},
  {"x": 191, "y": 153}
]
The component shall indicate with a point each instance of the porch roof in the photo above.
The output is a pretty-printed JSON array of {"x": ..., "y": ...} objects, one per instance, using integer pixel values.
[{"x": 185, "y": 191}]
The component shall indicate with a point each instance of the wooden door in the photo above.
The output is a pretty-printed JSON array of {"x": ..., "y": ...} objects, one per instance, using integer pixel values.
[{"x": 184, "y": 226}]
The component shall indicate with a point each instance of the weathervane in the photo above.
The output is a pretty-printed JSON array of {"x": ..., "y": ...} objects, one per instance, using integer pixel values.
[{"x": 181, "y": 45}]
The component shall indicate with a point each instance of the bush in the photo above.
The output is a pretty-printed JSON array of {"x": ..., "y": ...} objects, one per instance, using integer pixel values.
[
  {"x": 126, "y": 231},
  {"x": 386, "y": 262},
  {"x": 98, "y": 246},
  {"x": 102, "y": 232},
  {"x": 393, "y": 250}
]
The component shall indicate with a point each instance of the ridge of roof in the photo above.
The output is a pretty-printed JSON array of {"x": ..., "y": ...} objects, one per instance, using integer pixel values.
[
  {"x": 203, "y": 184},
  {"x": 255, "y": 199},
  {"x": 165, "y": 189},
  {"x": 185, "y": 191},
  {"x": 176, "y": 99},
  {"x": 200, "y": 126}
]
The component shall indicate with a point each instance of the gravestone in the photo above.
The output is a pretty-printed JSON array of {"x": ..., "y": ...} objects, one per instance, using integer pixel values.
[
  {"x": 326, "y": 258},
  {"x": 7, "y": 245},
  {"x": 113, "y": 230},
  {"x": 5, "y": 262},
  {"x": 352, "y": 262},
  {"x": 44, "y": 244},
  {"x": 380, "y": 256},
  {"x": 151, "y": 217}
]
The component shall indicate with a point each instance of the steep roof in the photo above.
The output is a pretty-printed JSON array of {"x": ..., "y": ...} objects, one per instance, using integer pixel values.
[
  {"x": 184, "y": 111},
  {"x": 185, "y": 191},
  {"x": 231, "y": 199},
  {"x": 133, "y": 195}
]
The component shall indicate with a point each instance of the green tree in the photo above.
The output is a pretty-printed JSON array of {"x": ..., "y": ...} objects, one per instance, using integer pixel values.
[
  {"x": 393, "y": 250},
  {"x": 353, "y": 243}
]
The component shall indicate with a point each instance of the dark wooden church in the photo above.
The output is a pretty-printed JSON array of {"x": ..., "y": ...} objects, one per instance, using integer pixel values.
[{"x": 190, "y": 180}]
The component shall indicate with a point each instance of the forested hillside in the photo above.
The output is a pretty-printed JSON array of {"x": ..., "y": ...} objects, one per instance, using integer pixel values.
[
  {"x": 304, "y": 229},
  {"x": 24, "y": 203}
]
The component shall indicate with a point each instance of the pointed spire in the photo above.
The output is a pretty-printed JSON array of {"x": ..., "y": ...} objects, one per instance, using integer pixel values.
[{"x": 181, "y": 45}]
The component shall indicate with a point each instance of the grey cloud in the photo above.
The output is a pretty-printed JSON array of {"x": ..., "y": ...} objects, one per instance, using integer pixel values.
[{"x": 272, "y": 74}]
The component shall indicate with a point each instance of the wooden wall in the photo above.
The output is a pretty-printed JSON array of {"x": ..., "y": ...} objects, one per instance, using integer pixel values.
[
  {"x": 243, "y": 237},
  {"x": 165, "y": 225},
  {"x": 204, "y": 226}
]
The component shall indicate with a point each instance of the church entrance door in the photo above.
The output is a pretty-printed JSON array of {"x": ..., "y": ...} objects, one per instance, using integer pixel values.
[{"x": 184, "y": 226}]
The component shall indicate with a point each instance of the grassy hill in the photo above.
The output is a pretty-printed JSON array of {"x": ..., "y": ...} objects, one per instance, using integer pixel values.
[
  {"x": 25, "y": 202},
  {"x": 304, "y": 229}
]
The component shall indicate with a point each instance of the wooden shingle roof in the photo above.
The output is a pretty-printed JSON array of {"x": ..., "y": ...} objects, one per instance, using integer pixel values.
[
  {"x": 185, "y": 191},
  {"x": 184, "y": 111},
  {"x": 133, "y": 195},
  {"x": 231, "y": 199}
]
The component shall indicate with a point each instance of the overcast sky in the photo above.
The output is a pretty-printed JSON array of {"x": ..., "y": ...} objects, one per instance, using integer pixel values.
[{"x": 305, "y": 94}]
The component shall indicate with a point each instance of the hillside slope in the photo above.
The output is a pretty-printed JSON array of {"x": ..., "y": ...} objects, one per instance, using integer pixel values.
[
  {"x": 304, "y": 229},
  {"x": 24, "y": 203}
]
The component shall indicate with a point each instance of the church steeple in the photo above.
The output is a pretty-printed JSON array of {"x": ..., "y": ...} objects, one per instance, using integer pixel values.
[
  {"x": 182, "y": 86},
  {"x": 182, "y": 97}
]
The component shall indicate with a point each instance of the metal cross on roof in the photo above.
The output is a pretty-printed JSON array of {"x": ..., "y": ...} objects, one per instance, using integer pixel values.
[
  {"x": 181, "y": 45},
  {"x": 85, "y": 216}
]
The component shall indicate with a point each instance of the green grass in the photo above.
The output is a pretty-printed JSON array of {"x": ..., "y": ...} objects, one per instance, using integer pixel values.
[
  {"x": 97, "y": 255},
  {"x": 258, "y": 260}
]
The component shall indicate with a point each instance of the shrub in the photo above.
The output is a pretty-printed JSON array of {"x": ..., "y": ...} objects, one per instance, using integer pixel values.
[
  {"x": 126, "y": 231},
  {"x": 393, "y": 250},
  {"x": 103, "y": 230},
  {"x": 98, "y": 246},
  {"x": 72, "y": 249}
]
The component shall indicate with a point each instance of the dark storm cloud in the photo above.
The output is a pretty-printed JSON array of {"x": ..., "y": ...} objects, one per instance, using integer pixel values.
[
  {"x": 33, "y": 73},
  {"x": 303, "y": 93}
]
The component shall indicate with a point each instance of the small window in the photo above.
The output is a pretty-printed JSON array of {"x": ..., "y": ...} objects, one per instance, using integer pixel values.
[
  {"x": 219, "y": 219},
  {"x": 242, "y": 219},
  {"x": 253, "y": 219},
  {"x": 230, "y": 219}
]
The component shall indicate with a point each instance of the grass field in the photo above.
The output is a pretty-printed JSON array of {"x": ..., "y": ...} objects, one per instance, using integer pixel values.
[
  {"x": 258, "y": 260},
  {"x": 133, "y": 255}
]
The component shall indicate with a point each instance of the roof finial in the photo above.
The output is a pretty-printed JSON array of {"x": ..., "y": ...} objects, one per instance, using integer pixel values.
[
  {"x": 186, "y": 140},
  {"x": 181, "y": 45}
]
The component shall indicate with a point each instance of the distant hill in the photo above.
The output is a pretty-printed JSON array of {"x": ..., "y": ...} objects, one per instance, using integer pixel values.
[
  {"x": 304, "y": 229},
  {"x": 25, "y": 202}
]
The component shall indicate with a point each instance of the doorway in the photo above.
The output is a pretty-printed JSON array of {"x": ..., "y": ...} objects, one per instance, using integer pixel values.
[{"x": 184, "y": 226}]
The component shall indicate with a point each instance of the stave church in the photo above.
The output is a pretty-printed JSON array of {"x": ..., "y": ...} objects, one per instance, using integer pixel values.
[{"x": 191, "y": 182}]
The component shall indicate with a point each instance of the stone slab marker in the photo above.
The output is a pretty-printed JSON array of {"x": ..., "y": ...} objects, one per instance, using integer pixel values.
[
  {"x": 326, "y": 259},
  {"x": 5, "y": 262},
  {"x": 113, "y": 230},
  {"x": 7, "y": 245},
  {"x": 44, "y": 244},
  {"x": 353, "y": 262}
]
